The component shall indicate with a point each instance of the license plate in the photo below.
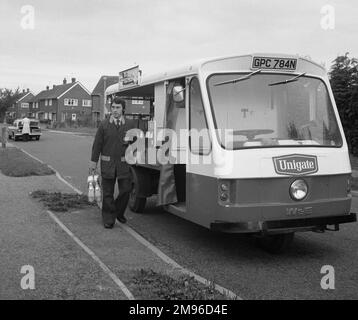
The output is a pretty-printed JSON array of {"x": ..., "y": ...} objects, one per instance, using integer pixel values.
[{"x": 274, "y": 63}]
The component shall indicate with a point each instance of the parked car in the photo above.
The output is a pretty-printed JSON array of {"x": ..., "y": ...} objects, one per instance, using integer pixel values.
[{"x": 26, "y": 129}]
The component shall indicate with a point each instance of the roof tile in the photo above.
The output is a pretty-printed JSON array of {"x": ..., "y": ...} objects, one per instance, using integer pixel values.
[
  {"x": 53, "y": 93},
  {"x": 99, "y": 88}
]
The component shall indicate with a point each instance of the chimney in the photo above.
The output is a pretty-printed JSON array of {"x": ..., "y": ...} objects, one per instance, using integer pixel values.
[
  {"x": 64, "y": 81},
  {"x": 23, "y": 90},
  {"x": 47, "y": 87},
  {"x": 28, "y": 90},
  {"x": 73, "y": 80}
]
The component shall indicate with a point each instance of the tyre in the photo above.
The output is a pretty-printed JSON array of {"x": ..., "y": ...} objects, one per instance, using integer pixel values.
[
  {"x": 277, "y": 243},
  {"x": 37, "y": 138},
  {"x": 135, "y": 203},
  {"x": 14, "y": 137}
]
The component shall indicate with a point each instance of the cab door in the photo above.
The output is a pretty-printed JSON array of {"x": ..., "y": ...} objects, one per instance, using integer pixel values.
[{"x": 201, "y": 187}]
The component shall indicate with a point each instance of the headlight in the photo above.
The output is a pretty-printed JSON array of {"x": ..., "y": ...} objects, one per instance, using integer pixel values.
[
  {"x": 298, "y": 189},
  {"x": 224, "y": 191}
]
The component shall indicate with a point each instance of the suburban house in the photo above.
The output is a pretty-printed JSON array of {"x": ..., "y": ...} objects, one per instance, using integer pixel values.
[
  {"x": 21, "y": 108},
  {"x": 64, "y": 102},
  {"x": 98, "y": 99}
]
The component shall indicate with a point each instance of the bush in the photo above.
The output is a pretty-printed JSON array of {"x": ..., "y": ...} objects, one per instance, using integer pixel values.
[
  {"x": 85, "y": 121},
  {"x": 10, "y": 120}
]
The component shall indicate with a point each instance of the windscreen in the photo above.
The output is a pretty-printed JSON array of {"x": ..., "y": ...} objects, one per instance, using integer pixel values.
[{"x": 266, "y": 110}]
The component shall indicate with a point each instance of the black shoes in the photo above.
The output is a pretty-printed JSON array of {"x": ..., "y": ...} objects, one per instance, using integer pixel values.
[
  {"x": 122, "y": 219},
  {"x": 111, "y": 225}
]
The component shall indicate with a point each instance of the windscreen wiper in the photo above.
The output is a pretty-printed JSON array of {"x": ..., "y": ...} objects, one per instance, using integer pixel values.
[
  {"x": 238, "y": 79},
  {"x": 288, "y": 81}
]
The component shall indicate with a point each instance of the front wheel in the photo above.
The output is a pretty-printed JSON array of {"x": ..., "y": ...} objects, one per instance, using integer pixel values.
[
  {"x": 276, "y": 243},
  {"x": 135, "y": 203}
]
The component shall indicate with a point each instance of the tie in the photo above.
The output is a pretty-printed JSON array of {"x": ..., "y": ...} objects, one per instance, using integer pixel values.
[{"x": 117, "y": 123}]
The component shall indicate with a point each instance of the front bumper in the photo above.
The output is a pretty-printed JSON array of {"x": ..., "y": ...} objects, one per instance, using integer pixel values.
[
  {"x": 282, "y": 226},
  {"x": 32, "y": 134}
]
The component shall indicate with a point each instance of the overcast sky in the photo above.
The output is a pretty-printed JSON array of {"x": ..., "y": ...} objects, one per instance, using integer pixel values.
[{"x": 89, "y": 38}]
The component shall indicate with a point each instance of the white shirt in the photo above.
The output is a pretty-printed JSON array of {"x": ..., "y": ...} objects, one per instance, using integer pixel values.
[{"x": 26, "y": 126}]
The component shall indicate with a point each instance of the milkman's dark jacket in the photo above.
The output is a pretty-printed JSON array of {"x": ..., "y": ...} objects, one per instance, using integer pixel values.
[{"x": 110, "y": 147}]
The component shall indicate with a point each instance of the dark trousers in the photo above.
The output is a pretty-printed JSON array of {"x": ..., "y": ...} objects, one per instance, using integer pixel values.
[{"x": 114, "y": 208}]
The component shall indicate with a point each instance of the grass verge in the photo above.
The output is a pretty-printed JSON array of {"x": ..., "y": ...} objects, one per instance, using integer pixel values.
[
  {"x": 150, "y": 285},
  {"x": 61, "y": 202},
  {"x": 84, "y": 130},
  {"x": 15, "y": 163}
]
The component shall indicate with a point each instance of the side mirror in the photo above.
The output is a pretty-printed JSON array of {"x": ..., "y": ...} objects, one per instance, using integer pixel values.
[{"x": 178, "y": 94}]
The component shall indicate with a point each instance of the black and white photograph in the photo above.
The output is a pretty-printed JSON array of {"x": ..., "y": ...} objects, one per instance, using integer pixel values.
[{"x": 178, "y": 157}]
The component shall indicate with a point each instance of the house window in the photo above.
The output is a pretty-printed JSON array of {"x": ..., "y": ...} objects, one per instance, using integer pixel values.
[
  {"x": 24, "y": 105},
  {"x": 73, "y": 116},
  {"x": 71, "y": 102},
  {"x": 50, "y": 102},
  {"x": 46, "y": 102},
  {"x": 86, "y": 103}
]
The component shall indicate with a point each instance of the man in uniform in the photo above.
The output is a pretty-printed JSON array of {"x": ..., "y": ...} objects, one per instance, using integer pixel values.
[{"x": 109, "y": 146}]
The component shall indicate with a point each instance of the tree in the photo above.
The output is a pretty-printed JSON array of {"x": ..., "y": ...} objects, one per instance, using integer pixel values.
[
  {"x": 344, "y": 82},
  {"x": 7, "y": 98}
]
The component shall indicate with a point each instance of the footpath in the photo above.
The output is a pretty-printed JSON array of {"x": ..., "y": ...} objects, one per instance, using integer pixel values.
[{"x": 74, "y": 257}]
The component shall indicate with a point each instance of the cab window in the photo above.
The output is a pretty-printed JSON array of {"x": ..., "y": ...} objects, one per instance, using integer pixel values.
[{"x": 199, "y": 139}]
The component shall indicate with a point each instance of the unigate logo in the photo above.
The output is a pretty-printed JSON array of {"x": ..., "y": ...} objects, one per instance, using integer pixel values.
[{"x": 295, "y": 164}]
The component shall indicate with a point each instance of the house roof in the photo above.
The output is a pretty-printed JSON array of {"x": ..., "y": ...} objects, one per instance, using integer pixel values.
[
  {"x": 57, "y": 91},
  {"x": 26, "y": 98},
  {"x": 28, "y": 95},
  {"x": 104, "y": 84},
  {"x": 52, "y": 93}
]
